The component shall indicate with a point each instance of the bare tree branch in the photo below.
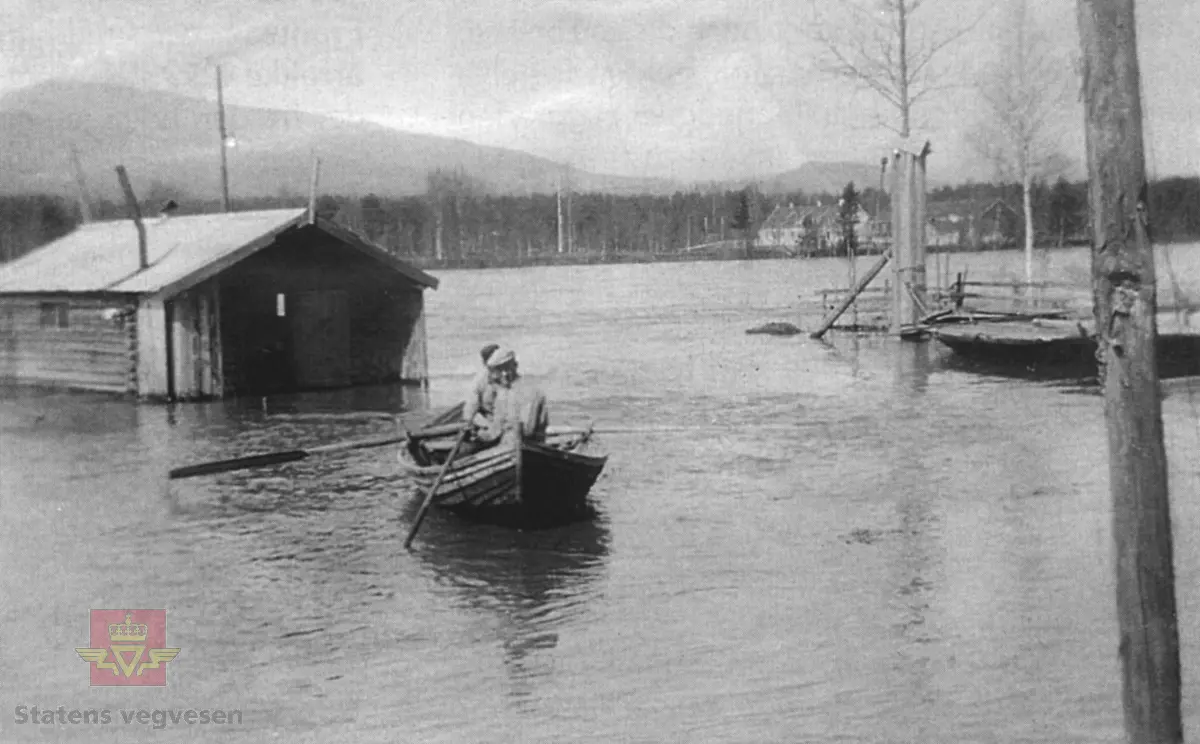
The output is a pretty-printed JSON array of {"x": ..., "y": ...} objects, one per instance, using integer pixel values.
[
  {"x": 877, "y": 47},
  {"x": 1021, "y": 92}
]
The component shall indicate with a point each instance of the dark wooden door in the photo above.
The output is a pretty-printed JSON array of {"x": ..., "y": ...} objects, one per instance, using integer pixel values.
[{"x": 321, "y": 338}]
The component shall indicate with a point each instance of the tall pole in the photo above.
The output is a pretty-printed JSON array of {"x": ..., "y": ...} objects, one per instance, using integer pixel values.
[
  {"x": 85, "y": 212},
  {"x": 224, "y": 137},
  {"x": 908, "y": 240},
  {"x": 1123, "y": 284},
  {"x": 312, "y": 190},
  {"x": 879, "y": 194},
  {"x": 570, "y": 219},
  {"x": 560, "y": 214}
]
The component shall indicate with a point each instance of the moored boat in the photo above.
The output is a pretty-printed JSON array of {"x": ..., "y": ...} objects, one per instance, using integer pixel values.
[
  {"x": 536, "y": 484},
  {"x": 1062, "y": 346}
]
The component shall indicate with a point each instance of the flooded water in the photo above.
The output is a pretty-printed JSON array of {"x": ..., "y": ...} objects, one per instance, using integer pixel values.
[{"x": 854, "y": 541}]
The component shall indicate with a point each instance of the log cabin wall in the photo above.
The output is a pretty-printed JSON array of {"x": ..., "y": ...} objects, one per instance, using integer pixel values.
[
  {"x": 311, "y": 312},
  {"x": 85, "y": 342}
]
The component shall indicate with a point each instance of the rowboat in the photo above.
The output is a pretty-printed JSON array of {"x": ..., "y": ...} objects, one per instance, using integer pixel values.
[
  {"x": 535, "y": 484},
  {"x": 1066, "y": 348},
  {"x": 1061, "y": 345}
]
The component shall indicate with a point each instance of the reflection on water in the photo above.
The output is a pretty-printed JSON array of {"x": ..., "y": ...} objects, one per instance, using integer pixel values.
[
  {"x": 534, "y": 583},
  {"x": 914, "y": 364}
]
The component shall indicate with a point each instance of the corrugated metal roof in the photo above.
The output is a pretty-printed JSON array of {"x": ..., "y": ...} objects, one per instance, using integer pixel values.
[{"x": 103, "y": 256}]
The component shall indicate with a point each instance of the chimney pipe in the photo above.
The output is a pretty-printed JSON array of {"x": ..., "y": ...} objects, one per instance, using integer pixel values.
[
  {"x": 85, "y": 212},
  {"x": 136, "y": 213}
]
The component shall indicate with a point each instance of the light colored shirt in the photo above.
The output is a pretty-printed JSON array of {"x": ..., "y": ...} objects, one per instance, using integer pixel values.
[
  {"x": 480, "y": 404},
  {"x": 522, "y": 403}
]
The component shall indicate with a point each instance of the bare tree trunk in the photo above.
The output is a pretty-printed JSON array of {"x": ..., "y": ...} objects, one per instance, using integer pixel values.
[
  {"x": 1027, "y": 208},
  {"x": 437, "y": 232},
  {"x": 1025, "y": 154},
  {"x": 560, "y": 216},
  {"x": 902, "y": 78},
  {"x": 1123, "y": 282}
]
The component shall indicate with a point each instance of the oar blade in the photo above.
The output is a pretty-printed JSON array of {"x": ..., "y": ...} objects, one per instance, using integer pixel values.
[
  {"x": 237, "y": 463},
  {"x": 458, "y": 442}
]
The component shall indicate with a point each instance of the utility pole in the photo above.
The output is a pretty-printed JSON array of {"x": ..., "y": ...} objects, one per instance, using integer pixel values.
[
  {"x": 312, "y": 190},
  {"x": 1123, "y": 283},
  {"x": 570, "y": 220},
  {"x": 224, "y": 140},
  {"x": 560, "y": 214}
]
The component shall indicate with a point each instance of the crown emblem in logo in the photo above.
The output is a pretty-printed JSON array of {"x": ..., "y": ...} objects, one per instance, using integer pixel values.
[
  {"x": 128, "y": 653},
  {"x": 128, "y": 631}
]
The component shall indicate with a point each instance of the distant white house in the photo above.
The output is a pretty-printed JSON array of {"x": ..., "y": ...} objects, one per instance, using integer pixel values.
[{"x": 788, "y": 227}]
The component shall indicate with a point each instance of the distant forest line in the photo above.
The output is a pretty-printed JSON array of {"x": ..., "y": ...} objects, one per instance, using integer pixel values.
[{"x": 456, "y": 223}]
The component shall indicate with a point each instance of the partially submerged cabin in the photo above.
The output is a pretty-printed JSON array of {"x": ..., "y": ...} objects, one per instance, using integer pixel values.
[{"x": 211, "y": 306}]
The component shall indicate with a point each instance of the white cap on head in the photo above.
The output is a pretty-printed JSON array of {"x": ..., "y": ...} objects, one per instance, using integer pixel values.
[{"x": 501, "y": 357}]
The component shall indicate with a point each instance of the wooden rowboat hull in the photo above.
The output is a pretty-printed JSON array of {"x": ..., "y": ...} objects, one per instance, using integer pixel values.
[
  {"x": 1021, "y": 349},
  {"x": 548, "y": 488},
  {"x": 1058, "y": 349}
]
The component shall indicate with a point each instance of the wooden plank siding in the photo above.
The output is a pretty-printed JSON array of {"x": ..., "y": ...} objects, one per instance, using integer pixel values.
[
  {"x": 196, "y": 343},
  {"x": 89, "y": 346},
  {"x": 260, "y": 346},
  {"x": 415, "y": 366},
  {"x": 152, "y": 380}
]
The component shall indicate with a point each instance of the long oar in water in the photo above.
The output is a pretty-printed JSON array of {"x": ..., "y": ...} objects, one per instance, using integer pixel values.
[
  {"x": 285, "y": 456},
  {"x": 458, "y": 442},
  {"x": 676, "y": 429},
  {"x": 276, "y": 458}
]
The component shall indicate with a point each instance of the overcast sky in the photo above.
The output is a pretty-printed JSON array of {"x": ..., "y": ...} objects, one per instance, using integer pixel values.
[{"x": 689, "y": 89}]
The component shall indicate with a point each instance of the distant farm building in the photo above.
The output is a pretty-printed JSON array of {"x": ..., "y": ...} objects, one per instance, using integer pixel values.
[
  {"x": 214, "y": 306},
  {"x": 971, "y": 224},
  {"x": 808, "y": 228},
  {"x": 962, "y": 223}
]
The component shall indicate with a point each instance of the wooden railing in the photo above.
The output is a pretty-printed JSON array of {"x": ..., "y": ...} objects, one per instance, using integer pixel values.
[{"x": 873, "y": 307}]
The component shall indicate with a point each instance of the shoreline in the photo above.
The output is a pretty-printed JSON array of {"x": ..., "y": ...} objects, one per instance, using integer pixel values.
[{"x": 724, "y": 254}]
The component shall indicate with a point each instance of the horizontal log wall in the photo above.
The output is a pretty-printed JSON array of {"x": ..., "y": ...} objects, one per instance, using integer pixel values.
[{"x": 94, "y": 351}]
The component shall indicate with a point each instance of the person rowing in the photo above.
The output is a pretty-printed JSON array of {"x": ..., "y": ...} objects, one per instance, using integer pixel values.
[
  {"x": 481, "y": 400},
  {"x": 515, "y": 402}
]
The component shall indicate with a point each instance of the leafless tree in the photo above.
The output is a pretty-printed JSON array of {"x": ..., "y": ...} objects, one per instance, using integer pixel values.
[
  {"x": 1022, "y": 91},
  {"x": 883, "y": 46}
]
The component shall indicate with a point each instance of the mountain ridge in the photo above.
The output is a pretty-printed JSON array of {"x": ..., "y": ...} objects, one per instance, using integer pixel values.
[{"x": 171, "y": 139}]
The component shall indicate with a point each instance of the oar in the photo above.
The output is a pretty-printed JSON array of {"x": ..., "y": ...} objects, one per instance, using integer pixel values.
[
  {"x": 462, "y": 437},
  {"x": 276, "y": 458},
  {"x": 681, "y": 429}
]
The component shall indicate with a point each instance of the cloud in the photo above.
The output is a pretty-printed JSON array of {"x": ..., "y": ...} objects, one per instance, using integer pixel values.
[
  {"x": 630, "y": 86},
  {"x": 649, "y": 44}
]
